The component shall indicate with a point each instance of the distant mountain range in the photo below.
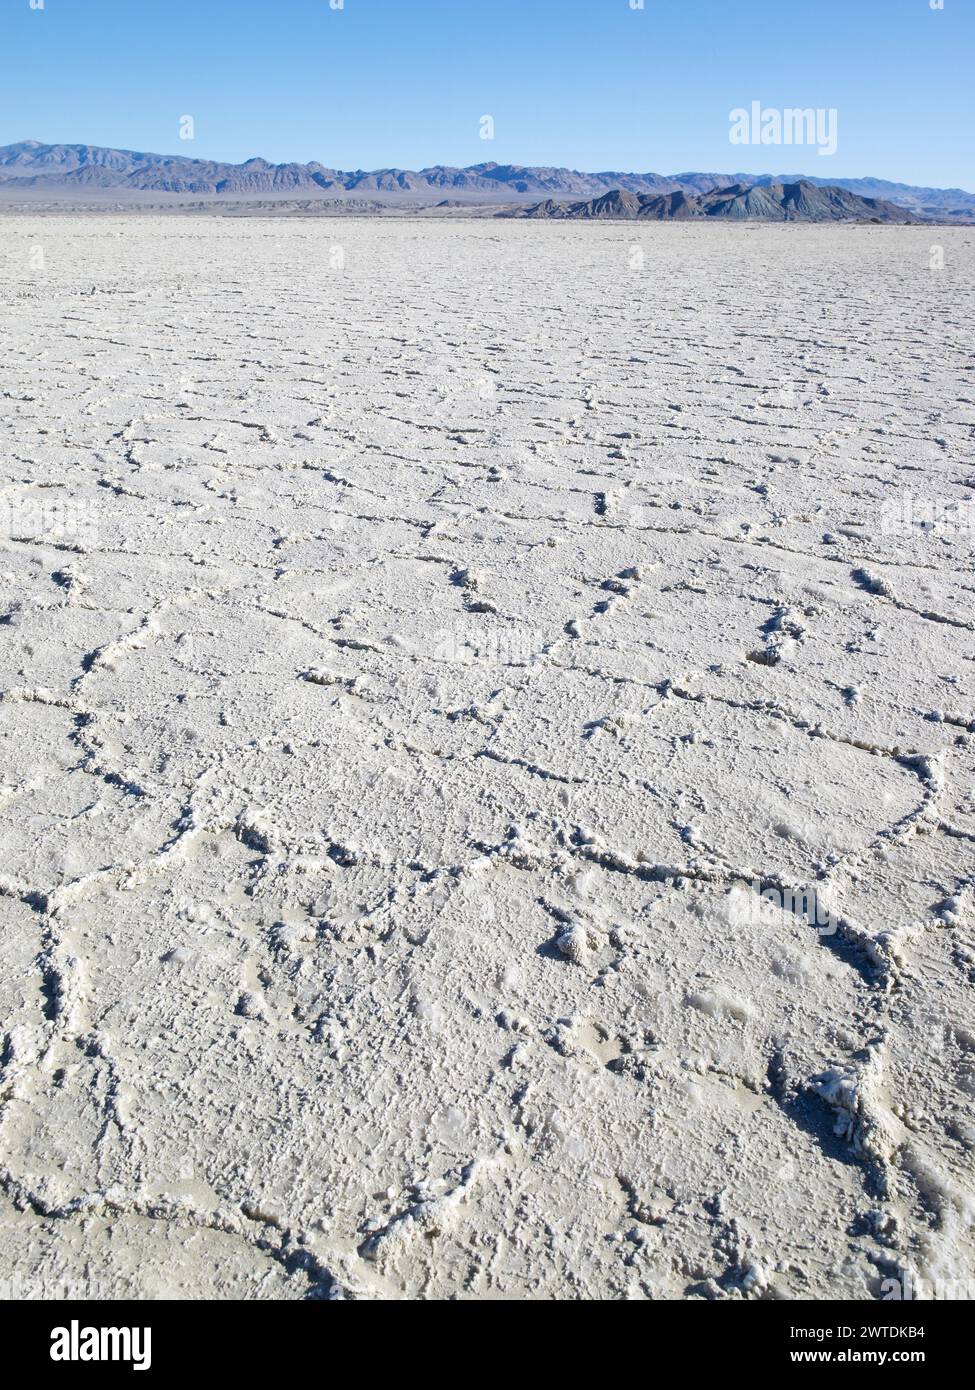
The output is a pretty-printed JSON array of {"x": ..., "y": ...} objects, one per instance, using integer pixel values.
[
  {"x": 89, "y": 172},
  {"x": 801, "y": 201}
]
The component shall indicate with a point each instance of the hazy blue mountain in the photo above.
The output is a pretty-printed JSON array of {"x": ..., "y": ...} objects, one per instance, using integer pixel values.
[{"x": 92, "y": 170}]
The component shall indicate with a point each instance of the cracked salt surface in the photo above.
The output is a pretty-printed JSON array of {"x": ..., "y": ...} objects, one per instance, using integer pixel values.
[{"x": 421, "y": 683}]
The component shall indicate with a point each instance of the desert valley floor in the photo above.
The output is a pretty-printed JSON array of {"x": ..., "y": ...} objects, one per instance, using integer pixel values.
[{"x": 438, "y": 660}]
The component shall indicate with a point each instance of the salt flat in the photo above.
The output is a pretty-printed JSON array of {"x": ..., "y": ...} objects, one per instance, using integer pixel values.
[{"x": 422, "y": 645}]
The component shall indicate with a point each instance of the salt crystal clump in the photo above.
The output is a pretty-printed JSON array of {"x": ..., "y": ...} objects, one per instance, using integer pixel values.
[
  {"x": 576, "y": 942},
  {"x": 251, "y": 1005},
  {"x": 755, "y": 1278}
]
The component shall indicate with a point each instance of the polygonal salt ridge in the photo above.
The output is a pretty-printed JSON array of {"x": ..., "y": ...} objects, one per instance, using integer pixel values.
[
  {"x": 48, "y": 1196},
  {"x": 434, "y": 1205},
  {"x": 874, "y": 583},
  {"x": 255, "y": 829},
  {"x": 854, "y": 1093},
  {"x": 760, "y": 902},
  {"x": 617, "y": 723},
  {"x": 880, "y": 587},
  {"x": 56, "y": 900},
  {"x": 43, "y": 695},
  {"x": 520, "y": 848},
  {"x": 789, "y": 621},
  {"x": 106, "y": 657},
  {"x": 928, "y": 767},
  {"x": 66, "y": 981},
  {"x": 892, "y": 949},
  {"x": 72, "y": 579},
  {"x": 786, "y": 629},
  {"x": 22, "y": 1050},
  {"x": 710, "y": 868}
]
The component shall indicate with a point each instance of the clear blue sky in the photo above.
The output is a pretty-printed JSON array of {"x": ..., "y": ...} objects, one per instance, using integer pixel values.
[{"x": 591, "y": 84}]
